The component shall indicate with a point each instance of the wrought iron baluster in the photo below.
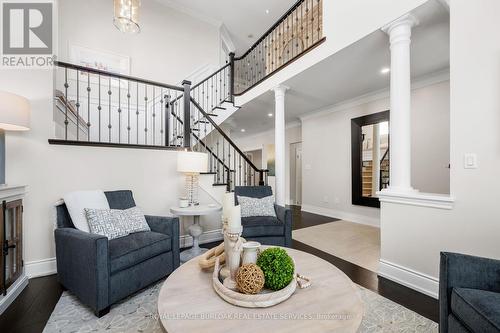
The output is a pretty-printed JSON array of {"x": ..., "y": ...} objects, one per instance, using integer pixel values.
[
  {"x": 119, "y": 110},
  {"x": 66, "y": 102},
  {"x": 77, "y": 105},
  {"x": 218, "y": 166},
  {"x": 145, "y": 114},
  {"x": 99, "y": 107},
  {"x": 109, "y": 108},
  {"x": 167, "y": 118},
  {"x": 128, "y": 112},
  {"x": 162, "y": 110},
  {"x": 137, "y": 112},
  {"x": 88, "y": 106},
  {"x": 154, "y": 116}
]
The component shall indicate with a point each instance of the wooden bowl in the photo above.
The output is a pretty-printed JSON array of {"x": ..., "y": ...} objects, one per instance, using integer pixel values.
[{"x": 265, "y": 299}]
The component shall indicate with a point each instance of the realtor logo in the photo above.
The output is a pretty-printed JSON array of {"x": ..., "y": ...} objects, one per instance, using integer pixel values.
[{"x": 27, "y": 28}]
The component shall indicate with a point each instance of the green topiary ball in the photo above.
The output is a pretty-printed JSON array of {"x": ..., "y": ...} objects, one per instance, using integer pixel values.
[{"x": 277, "y": 266}]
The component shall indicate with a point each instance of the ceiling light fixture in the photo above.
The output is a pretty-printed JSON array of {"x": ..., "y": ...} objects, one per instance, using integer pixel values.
[
  {"x": 270, "y": 115},
  {"x": 126, "y": 17},
  {"x": 267, "y": 11},
  {"x": 385, "y": 70},
  {"x": 243, "y": 130}
]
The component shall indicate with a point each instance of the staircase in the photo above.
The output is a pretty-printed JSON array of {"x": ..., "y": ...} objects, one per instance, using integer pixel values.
[
  {"x": 99, "y": 108},
  {"x": 367, "y": 178}
]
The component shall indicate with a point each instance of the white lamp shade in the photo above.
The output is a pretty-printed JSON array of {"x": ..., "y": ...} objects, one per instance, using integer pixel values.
[
  {"x": 14, "y": 112},
  {"x": 192, "y": 162}
]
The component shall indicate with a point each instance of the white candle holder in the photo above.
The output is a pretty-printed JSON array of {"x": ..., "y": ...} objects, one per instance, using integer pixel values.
[{"x": 233, "y": 246}]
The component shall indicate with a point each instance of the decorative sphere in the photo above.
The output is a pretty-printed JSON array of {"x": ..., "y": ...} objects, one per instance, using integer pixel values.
[
  {"x": 250, "y": 279},
  {"x": 278, "y": 268}
]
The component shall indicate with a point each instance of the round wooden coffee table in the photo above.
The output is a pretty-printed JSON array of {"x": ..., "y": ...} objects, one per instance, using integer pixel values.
[{"x": 187, "y": 303}]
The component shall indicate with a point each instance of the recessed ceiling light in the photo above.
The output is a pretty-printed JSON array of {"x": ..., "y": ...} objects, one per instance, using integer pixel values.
[
  {"x": 267, "y": 11},
  {"x": 385, "y": 70},
  {"x": 250, "y": 36},
  {"x": 243, "y": 130},
  {"x": 270, "y": 115}
]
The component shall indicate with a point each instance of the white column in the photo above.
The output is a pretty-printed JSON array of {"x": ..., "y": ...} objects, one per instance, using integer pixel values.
[
  {"x": 279, "y": 143},
  {"x": 399, "y": 32}
]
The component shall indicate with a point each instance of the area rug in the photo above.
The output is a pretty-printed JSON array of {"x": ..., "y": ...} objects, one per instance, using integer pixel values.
[
  {"x": 353, "y": 242},
  {"x": 138, "y": 313}
]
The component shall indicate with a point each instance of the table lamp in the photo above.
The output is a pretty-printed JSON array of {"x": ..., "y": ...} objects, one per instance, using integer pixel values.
[
  {"x": 192, "y": 164},
  {"x": 14, "y": 116}
]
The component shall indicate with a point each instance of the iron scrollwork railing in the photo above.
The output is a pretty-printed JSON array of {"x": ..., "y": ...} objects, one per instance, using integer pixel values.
[
  {"x": 298, "y": 31},
  {"x": 97, "y": 107},
  {"x": 229, "y": 165}
]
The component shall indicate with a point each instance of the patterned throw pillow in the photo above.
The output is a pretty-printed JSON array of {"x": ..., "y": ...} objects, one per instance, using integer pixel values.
[
  {"x": 115, "y": 223},
  {"x": 256, "y": 206}
]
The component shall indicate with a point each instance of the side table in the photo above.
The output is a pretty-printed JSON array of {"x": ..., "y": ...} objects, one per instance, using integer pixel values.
[{"x": 195, "y": 230}]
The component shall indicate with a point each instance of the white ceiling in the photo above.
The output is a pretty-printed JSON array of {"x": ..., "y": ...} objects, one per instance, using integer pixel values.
[
  {"x": 241, "y": 17},
  {"x": 352, "y": 72}
]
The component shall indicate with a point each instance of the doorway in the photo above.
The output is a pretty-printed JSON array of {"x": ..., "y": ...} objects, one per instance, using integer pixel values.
[{"x": 296, "y": 173}]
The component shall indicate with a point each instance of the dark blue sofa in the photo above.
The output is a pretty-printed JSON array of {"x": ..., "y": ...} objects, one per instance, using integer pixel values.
[
  {"x": 101, "y": 272},
  {"x": 266, "y": 230},
  {"x": 469, "y": 294}
]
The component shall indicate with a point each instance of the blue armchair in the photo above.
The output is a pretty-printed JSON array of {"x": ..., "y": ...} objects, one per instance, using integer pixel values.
[
  {"x": 469, "y": 294},
  {"x": 266, "y": 230},
  {"x": 101, "y": 272}
]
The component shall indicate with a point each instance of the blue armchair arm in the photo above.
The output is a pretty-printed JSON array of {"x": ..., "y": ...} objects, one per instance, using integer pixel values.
[
  {"x": 464, "y": 271},
  {"x": 83, "y": 265},
  {"x": 168, "y": 226},
  {"x": 284, "y": 215}
]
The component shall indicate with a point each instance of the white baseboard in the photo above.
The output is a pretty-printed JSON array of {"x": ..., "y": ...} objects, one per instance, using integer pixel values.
[
  {"x": 356, "y": 218},
  {"x": 206, "y": 237},
  {"x": 420, "y": 282},
  {"x": 13, "y": 292},
  {"x": 39, "y": 268}
]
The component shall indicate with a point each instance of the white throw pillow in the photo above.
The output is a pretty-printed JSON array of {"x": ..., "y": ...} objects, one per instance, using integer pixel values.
[
  {"x": 76, "y": 202},
  {"x": 257, "y": 207}
]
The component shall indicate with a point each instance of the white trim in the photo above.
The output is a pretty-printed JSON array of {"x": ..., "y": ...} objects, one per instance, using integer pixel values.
[
  {"x": 415, "y": 198},
  {"x": 373, "y": 96},
  {"x": 13, "y": 292},
  {"x": 206, "y": 237},
  {"x": 351, "y": 217},
  {"x": 189, "y": 11},
  {"x": 420, "y": 282},
  {"x": 225, "y": 37},
  {"x": 38, "y": 268}
]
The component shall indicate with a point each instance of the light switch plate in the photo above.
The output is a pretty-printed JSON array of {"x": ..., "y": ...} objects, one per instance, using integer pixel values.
[{"x": 470, "y": 161}]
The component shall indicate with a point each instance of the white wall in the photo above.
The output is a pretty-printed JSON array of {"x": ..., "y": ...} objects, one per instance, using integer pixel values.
[
  {"x": 326, "y": 147},
  {"x": 170, "y": 46},
  {"x": 260, "y": 141},
  {"x": 412, "y": 237}
]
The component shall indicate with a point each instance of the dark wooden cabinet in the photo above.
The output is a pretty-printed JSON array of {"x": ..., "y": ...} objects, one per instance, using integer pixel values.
[{"x": 11, "y": 259}]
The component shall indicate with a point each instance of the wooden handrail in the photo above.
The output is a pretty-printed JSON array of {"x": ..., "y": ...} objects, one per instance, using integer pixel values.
[
  {"x": 117, "y": 76},
  {"x": 224, "y": 135},
  {"x": 270, "y": 30}
]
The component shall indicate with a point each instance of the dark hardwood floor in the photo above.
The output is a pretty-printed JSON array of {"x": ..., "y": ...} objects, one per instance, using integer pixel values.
[{"x": 31, "y": 310}]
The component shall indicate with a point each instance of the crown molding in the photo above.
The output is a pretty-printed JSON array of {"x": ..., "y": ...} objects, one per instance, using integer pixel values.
[
  {"x": 191, "y": 12},
  {"x": 420, "y": 82}
]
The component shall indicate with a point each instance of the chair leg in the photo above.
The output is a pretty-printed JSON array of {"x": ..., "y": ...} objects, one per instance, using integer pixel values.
[{"x": 102, "y": 312}]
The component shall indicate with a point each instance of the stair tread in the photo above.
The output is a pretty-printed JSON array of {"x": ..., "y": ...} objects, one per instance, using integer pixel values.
[
  {"x": 219, "y": 184},
  {"x": 219, "y": 108}
]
